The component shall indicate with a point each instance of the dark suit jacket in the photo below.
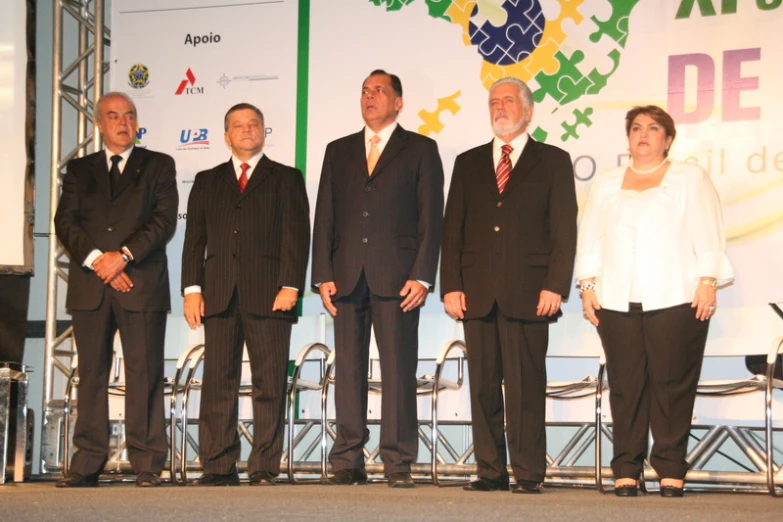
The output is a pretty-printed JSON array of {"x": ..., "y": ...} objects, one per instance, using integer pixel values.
[
  {"x": 142, "y": 216},
  {"x": 387, "y": 224},
  {"x": 509, "y": 247},
  {"x": 257, "y": 241}
]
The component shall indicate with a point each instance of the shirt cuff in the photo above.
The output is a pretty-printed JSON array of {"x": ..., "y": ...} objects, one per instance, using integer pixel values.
[
  {"x": 91, "y": 257},
  {"x": 195, "y": 289},
  {"x": 291, "y": 287},
  {"x": 127, "y": 251},
  {"x": 425, "y": 283}
]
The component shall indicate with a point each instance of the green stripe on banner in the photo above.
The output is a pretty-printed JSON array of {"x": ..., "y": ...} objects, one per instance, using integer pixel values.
[{"x": 302, "y": 80}]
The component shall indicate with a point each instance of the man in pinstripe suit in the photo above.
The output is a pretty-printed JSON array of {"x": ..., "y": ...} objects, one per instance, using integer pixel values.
[
  {"x": 243, "y": 264},
  {"x": 375, "y": 253}
]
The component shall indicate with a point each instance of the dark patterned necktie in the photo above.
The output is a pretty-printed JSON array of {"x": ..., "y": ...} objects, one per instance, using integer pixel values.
[{"x": 114, "y": 173}]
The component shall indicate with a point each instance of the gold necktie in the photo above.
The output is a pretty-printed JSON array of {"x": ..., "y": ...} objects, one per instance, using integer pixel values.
[{"x": 372, "y": 157}]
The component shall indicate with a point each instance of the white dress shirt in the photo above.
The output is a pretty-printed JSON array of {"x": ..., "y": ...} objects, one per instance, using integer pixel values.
[
  {"x": 96, "y": 253},
  {"x": 652, "y": 246},
  {"x": 517, "y": 144}
]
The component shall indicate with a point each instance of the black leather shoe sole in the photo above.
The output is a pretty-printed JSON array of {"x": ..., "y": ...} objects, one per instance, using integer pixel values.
[
  {"x": 626, "y": 491},
  {"x": 211, "y": 479},
  {"x": 672, "y": 492},
  {"x": 262, "y": 478},
  {"x": 347, "y": 477},
  {"x": 532, "y": 488},
  {"x": 74, "y": 480},
  {"x": 147, "y": 479},
  {"x": 485, "y": 484},
  {"x": 400, "y": 481}
]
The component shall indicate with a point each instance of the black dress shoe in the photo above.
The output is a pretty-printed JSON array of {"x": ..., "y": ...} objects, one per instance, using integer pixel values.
[
  {"x": 147, "y": 479},
  {"x": 347, "y": 477},
  {"x": 262, "y": 478},
  {"x": 400, "y": 480},
  {"x": 215, "y": 479},
  {"x": 485, "y": 484},
  {"x": 74, "y": 480},
  {"x": 672, "y": 492},
  {"x": 629, "y": 490},
  {"x": 527, "y": 486}
]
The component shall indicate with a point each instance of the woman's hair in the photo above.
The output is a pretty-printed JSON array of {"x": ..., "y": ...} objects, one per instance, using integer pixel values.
[{"x": 656, "y": 113}]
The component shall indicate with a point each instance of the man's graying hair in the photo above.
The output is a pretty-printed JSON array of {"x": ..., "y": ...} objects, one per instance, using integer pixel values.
[{"x": 527, "y": 95}]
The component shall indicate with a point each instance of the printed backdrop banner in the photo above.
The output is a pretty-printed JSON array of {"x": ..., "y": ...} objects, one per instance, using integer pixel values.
[{"x": 713, "y": 64}]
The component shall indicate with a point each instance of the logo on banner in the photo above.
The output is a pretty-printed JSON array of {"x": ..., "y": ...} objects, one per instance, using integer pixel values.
[
  {"x": 140, "y": 132},
  {"x": 225, "y": 80},
  {"x": 138, "y": 76},
  {"x": 190, "y": 79},
  {"x": 193, "y": 139}
]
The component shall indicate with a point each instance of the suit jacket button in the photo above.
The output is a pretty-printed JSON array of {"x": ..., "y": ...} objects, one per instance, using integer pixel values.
[
  {"x": 110, "y": 229},
  {"x": 365, "y": 214},
  {"x": 236, "y": 231},
  {"x": 367, "y": 189},
  {"x": 497, "y": 229},
  {"x": 500, "y": 204},
  {"x": 239, "y": 205},
  {"x": 364, "y": 240}
]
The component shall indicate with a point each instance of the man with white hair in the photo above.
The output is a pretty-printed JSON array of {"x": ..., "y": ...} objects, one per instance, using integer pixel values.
[{"x": 509, "y": 240}]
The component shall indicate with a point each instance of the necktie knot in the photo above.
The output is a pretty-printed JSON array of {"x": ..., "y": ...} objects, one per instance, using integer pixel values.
[
  {"x": 243, "y": 177},
  {"x": 115, "y": 161},
  {"x": 507, "y": 149},
  {"x": 375, "y": 140}
]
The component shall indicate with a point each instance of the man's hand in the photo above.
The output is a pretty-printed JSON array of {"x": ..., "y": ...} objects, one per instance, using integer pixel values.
[
  {"x": 327, "y": 290},
  {"x": 285, "y": 300},
  {"x": 121, "y": 283},
  {"x": 454, "y": 303},
  {"x": 194, "y": 309},
  {"x": 548, "y": 303},
  {"x": 416, "y": 295},
  {"x": 108, "y": 265}
]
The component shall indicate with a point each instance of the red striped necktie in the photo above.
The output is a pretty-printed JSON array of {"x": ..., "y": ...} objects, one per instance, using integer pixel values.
[
  {"x": 243, "y": 177},
  {"x": 504, "y": 167}
]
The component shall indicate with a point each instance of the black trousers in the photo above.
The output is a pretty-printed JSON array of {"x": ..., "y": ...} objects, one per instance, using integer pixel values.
[
  {"x": 502, "y": 349},
  {"x": 142, "y": 335},
  {"x": 396, "y": 333},
  {"x": 653, "y": 361},
  {"x": 268, "y": 340}
]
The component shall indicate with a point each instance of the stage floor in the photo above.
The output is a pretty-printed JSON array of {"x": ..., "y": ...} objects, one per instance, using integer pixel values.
[{"x": 42, "y": 501}]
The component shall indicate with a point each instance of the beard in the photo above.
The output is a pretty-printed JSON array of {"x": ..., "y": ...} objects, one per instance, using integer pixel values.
[{"x": 504, "y": 129}]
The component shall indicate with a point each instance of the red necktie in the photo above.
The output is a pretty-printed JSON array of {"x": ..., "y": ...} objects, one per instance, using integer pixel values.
[
  {"x": 504, "y": 168},
  {"x": 243, "y": 178}
]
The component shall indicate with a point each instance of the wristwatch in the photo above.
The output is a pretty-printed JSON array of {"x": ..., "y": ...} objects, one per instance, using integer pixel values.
[
  {"x": 125, "y": 257},
  {"x": 709, "y": 282}
]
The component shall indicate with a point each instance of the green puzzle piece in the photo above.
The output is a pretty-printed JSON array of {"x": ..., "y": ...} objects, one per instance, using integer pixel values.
[
  {"x": 616, "y": 27},
  {"x": 582, "y": 118}
]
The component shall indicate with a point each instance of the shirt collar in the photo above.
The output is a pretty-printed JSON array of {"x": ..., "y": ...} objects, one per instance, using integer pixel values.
[
  {"x": 385, "y": 133},
  {"x": 252, "y": 162},
  {"x": 517, "y": 144},
  {"x": 125, "y": 155}
]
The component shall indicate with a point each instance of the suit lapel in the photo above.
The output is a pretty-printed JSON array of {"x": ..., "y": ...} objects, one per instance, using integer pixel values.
[
  {"x": 525, "y": 166},
  {"x": 130, "y": 173},
  {"x": 262, "y": 171},
  {"x": 101, "y": 173},
  {"x": 229, "y": 175},
  {"x": 357, "y": 155},
  {"x": 486, "y": 170},
  {"x": 394, "y": 147}
]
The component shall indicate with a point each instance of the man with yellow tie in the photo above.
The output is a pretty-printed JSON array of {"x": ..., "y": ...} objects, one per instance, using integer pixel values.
[{"x": 375, "y": 253}]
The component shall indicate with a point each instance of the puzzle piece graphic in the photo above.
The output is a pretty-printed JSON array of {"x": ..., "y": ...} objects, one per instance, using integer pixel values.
[
  {"x": 392, "y": 5},
  {"x": 432, "y": 123},
  {"x": 599, "y": 80},
  {"x": 582, "y": 118},
  {"x": 543, "y": 58},
  {"x": 616, "y": 27},
  {"x": 438, "y": 8},
  {"x": 539, "y": 134},
  {"x": 516, "y": 38},
  {"x": 459, "y": 12},
  {"x": 550, "y": 83}
]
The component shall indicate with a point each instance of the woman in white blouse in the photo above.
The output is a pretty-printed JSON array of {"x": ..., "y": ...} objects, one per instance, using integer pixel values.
[{"x": 650, "y": 256}]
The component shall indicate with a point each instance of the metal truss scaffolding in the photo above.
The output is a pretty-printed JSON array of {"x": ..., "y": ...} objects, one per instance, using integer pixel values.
[{"x": 80, "y": 40}]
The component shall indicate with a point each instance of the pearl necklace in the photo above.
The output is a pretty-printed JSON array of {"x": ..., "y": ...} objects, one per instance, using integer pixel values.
[{"x": 647, "y": 171}]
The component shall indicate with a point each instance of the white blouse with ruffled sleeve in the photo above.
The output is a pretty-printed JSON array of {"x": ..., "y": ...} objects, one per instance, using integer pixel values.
[{"x": 652, "y": 246}]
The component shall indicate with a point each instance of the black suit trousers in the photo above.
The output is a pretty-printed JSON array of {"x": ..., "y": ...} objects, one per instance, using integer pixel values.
[
  {"x": 508, "y": 353},
  {"x": 142, "y": 335},
  {"x": 653, "y": 362},
  {"x": 268, "y": 340},
  {"x": 396, "y": 333}
]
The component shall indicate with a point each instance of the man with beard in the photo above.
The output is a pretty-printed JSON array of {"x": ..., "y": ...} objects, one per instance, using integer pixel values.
[{"x": 509, "y": 240}]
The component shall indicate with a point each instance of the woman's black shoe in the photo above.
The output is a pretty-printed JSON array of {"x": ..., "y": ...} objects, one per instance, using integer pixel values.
[
  {"x": 671, "y": 492},
  {"x": 631, "y": 490}
]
